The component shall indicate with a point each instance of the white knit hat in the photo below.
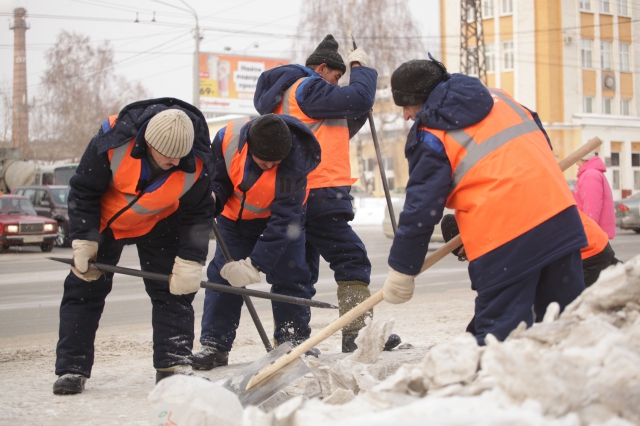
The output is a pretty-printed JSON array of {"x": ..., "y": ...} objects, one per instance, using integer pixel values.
[
  {"x": 170, "y": 133},
  {"x": 590, "y": 155}
]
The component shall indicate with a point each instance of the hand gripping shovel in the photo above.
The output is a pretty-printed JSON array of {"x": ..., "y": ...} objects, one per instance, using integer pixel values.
[{"x": 266, "y": 376}]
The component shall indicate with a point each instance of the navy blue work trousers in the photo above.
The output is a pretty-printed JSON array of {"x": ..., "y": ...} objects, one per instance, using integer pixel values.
[
  {"x": 329, "y": 235},
  {"x": 82, "y": 304},
  {"x": 499, "y": 310},
  {"x": 289, "y": 276}
]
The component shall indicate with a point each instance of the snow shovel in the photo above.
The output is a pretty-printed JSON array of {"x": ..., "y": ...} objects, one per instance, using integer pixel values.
[
  {"x": 204, "y": 284},
  {"x": 368, "y": 304},
  {"x": 247, "y": 301},
  {"x": 267, "y": 388},
  {"x": 383, "y": 174}
]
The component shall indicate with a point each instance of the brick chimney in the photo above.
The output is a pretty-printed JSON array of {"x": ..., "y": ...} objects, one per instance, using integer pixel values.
[{"x": 20, "y": 124}]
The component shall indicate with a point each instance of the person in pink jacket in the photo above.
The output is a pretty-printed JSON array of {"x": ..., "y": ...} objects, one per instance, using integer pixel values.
[{"x": 593, "y": 193}]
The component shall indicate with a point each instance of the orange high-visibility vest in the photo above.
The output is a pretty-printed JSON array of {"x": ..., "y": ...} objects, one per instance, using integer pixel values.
[
  {"x": 597, "y": 239},
  {"x": 145, "y": 209},
  {"x": 332, "y": 134},
  {"x": 506, "y": 180},
  {"x": 256, "y": 202}
]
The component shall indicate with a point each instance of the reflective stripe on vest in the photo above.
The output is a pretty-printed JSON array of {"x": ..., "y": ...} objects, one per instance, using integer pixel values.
[
  {"x": 259, "y": 197},
  {"x": 332, "y": 134},
  {"x": 131, "y": 213},
  {"x": 597, "y": 239},
  {"x": 505, "y": 179}
]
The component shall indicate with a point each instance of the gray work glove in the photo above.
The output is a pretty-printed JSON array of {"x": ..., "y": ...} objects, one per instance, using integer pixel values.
[
  {"x": 240, "y": 273},
  {"x": 398, "y": 288},
  {"x": 359, "y": 55},
  {"x": 83, "y": 252},
  {"x": 185, "y": 277}
]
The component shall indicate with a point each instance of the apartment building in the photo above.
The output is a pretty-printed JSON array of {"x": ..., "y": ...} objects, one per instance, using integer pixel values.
[{"x": 572, "y": 61}]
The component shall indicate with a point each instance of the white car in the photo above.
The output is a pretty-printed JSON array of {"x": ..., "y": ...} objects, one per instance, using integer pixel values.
[{"x": 398, "y": 205}]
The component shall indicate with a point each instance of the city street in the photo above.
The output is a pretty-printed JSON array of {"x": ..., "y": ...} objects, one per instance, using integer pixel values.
[{"x": 31, "y": 286}]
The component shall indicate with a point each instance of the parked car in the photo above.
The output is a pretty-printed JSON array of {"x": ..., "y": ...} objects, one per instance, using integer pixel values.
[
  {"x": 628, "y": 213},
  {"x": 398, "y": 204},
  {"x": 51, "y": 202},
  {"x": 20, "y": 225}
]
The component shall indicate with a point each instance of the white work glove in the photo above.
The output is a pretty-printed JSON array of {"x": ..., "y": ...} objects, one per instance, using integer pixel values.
[
  {"x": 185, "y": 277},
  {"x": 240, "y": 273},
  {"x": 359, "y": 55},
  {"x": 398, "y": 288},
  {"x": 83, "y": 252}
]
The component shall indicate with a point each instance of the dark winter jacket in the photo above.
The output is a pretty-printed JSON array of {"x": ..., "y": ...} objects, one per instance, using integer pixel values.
[
  {"x": 317, "y": 98},
  {"x": 93, "y": 175},
  {"x": 455, "y": 104},
  {"x": 322, "y": 100},
  {"x": 287, "y": 208}
]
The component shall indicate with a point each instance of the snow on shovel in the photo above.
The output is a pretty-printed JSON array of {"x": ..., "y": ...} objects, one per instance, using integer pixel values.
[{"x": 281, "y": 363}]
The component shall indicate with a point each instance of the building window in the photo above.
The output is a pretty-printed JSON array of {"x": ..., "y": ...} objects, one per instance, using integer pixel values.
[
  {"x": 622, "y": 8},
  {"x": 624, "y": 57},
  {"x": 615, "y": 159},
  {"x": 507, "y": 7},
  {"x": 490, "y": 57},
  {"x": 606, "y": 105},
  {"x": 636, "y": 179},
  {"x": 507, "y": 55},
  {"x": 605, "y": 55},
  {"x": 487, "y": 9},
  {"x": 585, "y": 4},
  {"x": 625, "y": 106},
  {"x": 635, "y": 159},
  {"x": 605, "y": 6},
  {"x": 585, "y": 51},
  {"x": 587, "y": 104},
  {"x": 616, "y": 179}
]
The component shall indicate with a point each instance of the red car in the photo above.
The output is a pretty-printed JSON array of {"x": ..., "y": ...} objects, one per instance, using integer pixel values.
[{"x": 20, "y": 225}]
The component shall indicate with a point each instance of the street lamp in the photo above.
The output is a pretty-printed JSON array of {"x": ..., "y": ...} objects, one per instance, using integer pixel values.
[{"x": 196, "y": 54}]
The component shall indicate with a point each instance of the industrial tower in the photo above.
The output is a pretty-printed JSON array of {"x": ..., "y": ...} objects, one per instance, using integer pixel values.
[
  {"x": 20, "y": 122},
  {"x": 472, "y": 59}
]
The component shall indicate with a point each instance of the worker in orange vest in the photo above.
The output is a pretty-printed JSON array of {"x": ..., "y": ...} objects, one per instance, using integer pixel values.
[
  {"x": 144, "y": 179},
  {"x": 479, "y": 152},
  {"x": 335, "y": 114},
  {"x": 260, "y": 188}
]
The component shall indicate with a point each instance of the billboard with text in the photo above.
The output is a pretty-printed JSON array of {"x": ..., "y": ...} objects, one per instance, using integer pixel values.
[{"x": 228, "y": 82}]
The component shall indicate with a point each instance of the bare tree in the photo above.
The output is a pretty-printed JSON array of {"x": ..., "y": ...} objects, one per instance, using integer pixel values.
[
  {"x": 385, "y": 29},
  {"x": 80, "y": 90},
  {"x": 6, "y": 103}
]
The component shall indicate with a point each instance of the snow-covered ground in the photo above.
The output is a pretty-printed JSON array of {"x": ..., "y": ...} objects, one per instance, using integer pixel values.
[{"x": 580, "y": 369}]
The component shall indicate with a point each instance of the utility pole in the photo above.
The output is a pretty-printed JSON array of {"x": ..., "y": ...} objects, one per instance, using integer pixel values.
[
  {"x": 196, "y": 59},
  {"x": 196, "y": 54},
  {"x": 472, "y": 57},
  {"x": 20, "y": 119}
]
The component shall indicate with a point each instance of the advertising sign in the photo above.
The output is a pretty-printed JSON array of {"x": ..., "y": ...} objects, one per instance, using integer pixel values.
[{"x": 227, "y": 82}]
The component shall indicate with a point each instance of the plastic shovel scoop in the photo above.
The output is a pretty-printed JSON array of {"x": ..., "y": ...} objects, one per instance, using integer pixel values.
[{"x": 269, "y": 387}]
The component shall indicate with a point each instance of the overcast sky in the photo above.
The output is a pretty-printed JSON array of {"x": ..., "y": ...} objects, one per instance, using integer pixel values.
[{"x": 160, "y": 54}]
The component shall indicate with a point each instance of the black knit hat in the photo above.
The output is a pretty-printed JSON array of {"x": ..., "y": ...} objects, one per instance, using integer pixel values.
[
  {"x": 413, "y": 81},
  {"x": 450, "y": 230},
  {"x": 269, "y": 138},
  {"x": 327, "y": 53}
]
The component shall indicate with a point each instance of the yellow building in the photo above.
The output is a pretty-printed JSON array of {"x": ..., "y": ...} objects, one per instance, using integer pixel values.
[{"x": 571, "y": 61}]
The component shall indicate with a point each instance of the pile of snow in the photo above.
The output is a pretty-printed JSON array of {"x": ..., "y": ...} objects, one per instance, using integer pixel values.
[{"x": 581, "y": 368}]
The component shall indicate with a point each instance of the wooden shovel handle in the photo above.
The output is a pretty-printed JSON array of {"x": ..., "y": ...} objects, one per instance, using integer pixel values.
[{"x": 377, "y": 297}]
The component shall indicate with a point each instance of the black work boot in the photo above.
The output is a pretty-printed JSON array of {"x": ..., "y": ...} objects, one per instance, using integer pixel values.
[
  {"x": 209, "y": 358},
  {"x": 69, "y": 384},
  {"x": 349, "y": 342},
  {"x": 184, "y": 370}
]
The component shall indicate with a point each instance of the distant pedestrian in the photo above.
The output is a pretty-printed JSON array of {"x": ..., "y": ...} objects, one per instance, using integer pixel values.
[{"x": 593, "y": 193}]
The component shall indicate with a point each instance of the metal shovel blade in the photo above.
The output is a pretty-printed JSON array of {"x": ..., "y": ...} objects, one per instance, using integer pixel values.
[{"x": 269, "y": 387}]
